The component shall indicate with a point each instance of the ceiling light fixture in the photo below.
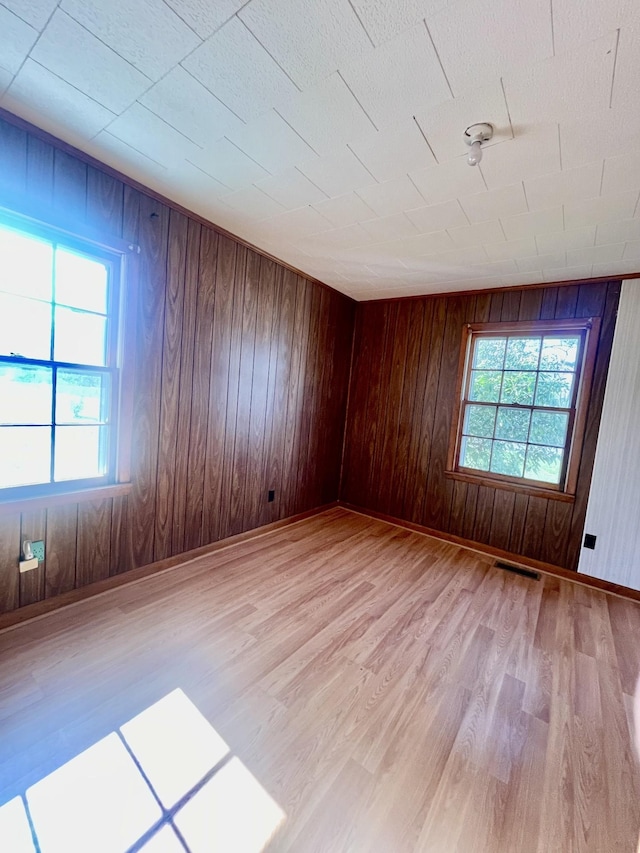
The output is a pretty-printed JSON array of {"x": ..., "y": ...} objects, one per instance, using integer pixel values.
[{"x": 474, "y": 136}]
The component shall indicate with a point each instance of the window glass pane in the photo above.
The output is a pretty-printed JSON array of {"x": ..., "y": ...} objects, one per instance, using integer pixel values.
[
  {"x": 543, "y": 463},
  {"x": 80, "y": 452},
  {"x": 80, "y": 281},
  {"x": 79, "y": 337},
  {"x": 485, "y": 386},
  {"x": 518, "y": 387},
  {"x": 522, "y": 353},
  {"x": 513, "y": 424},
  {"x": 25, "y": 456},
  {"x": 475, "y": 453},
  {"x": 508, "y": 458},
  {"x": 26, "y": 265},
  {"x": 479, "y": 420},
  {"x": 25, "y": 394},
  {"x": 559, "y": 353},
  {"x": 489, "y": 353},
  {"x": 554, "y": 389},
  {"x": 82, "y": 397},
  {"x": 25, "y": 327},
  {"x": 549, "y": 428}
]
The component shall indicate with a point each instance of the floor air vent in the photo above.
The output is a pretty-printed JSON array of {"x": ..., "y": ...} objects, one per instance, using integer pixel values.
[{"x": 517, "y": 570}]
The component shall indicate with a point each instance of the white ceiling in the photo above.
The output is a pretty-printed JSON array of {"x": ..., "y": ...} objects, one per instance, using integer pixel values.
[{"x": 329, "y": 132}]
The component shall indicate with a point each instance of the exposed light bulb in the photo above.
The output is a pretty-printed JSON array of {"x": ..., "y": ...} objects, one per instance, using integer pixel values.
[
  {"x": 475, "y": 153},
  {"x": 474, "y": 136}
]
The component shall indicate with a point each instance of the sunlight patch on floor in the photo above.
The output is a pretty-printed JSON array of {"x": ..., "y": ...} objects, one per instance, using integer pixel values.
[{"x": 165, "y": 782}]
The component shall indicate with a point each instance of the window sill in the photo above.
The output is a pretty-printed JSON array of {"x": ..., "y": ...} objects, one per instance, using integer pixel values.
[
  {"x": 522, "y": 488},
  {"x": 95, "y": 493}
]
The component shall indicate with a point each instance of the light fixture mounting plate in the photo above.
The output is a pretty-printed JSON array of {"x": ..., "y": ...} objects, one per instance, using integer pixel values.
[{"x": 481, "y": 132}]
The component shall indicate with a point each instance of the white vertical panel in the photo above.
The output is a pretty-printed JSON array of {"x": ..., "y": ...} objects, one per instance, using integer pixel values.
[{"x": 613, "y": 512}]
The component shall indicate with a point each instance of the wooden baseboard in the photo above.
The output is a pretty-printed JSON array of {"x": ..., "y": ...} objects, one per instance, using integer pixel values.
[
  {"x": 499, "y": 554},
  {"x": 75, "y": 596}
]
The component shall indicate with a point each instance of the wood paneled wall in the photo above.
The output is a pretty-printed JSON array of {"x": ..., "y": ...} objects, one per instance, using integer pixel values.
[
  {"x": 241, "y": 375},
  {"x": 401, "y": 402}
]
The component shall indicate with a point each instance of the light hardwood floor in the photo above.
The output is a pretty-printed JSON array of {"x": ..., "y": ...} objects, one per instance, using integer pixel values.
[{"x": 389, "y": 691}]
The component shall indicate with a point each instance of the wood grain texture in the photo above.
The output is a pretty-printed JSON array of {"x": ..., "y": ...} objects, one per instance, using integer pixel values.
[
  {"x": 401, "y": 405},
  {"x": 241, "y": 372},
  {"x": 388, "y": 690}
]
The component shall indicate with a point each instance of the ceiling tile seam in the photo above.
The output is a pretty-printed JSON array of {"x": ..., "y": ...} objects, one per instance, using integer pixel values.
[
  {"x": 209, "y": 176},
  {"x": 526, "y": 200},
  {"x": 560, "y": 145},
  {"x": 484, "y": 180},
  {"x": 284, "y": 208},
  {"x": 355, "y": 98},
  {"x": 365, "y": 167},
  {"x": 465, "y": 214},
  {"x": 553, "y": 32},
  {"x": 159, "y": 118},
  {"x": 24, "y": 20},
  {"x": 217, "y": 97},
  {"x": 635, "y": 209},
  {"x": 504, "y": 233},
  {"x": 327, "y": 196},
  {"x": 237, "y": 147},
  {"x": 213, "y": 94},
  {"x": 417, "y": 189},
  {"x": 601, "y": 178},
  {"x": 115, "y": 53},
  {"x": 437, "y": 53},
  {"x": 506, "y": 106},
  {"x": 71, "y": 86},
  {"x": 355, "y": 12},
  {"x": 424, "y": 136},
  {"x": 188, "y": 25},
  {"x": 297, "y": 133},
  {"x": 266, "y": 49},
  {"x": 265, "y": 194},
  {"x": 38, "y": 37},
  {"x": 613, "y": 70},
  {"x": 132, "y": 147}
]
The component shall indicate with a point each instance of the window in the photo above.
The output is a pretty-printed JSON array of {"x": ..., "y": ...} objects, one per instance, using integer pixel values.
[
  {"x": 59, "y": 361},
  {"x": 522, "y": 403}
]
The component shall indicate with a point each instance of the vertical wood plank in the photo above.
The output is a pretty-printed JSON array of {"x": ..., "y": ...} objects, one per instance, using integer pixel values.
[
  {"x": 187, "y": 344},
  {"x": 278, "y": 441},
  {"x": 170, "y": 385},
  {"x": 151, "y": 220},
  {"x": 61, "y": 549},
  {"x": 414, "y": 319},
  {"x": 93, "y": 558},
  {"x": 13, "y": 159},
  {"x": 534, "y": 526},
  {"x": 427, "y": 414},
  {"x": 217, "y": 394},
  {"x": 239, "y": 460},
  {"x": 200, "y": 388},
  {"x": 295, "y": 397},
  {"x": 255, "y": 490},
  {"x": 105, "y": 202},
  {"x": 70, "y": 186},
  {"x": 33, "y": 527},
  {"x": 39, "y": 179},
  {"x": 439, "y": 489},
  {"x": 9, "y": 557}
]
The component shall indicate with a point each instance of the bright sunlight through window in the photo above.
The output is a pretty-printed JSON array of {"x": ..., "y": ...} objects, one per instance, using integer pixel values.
[
  {"x": 58, "y": 365},
  {"x": 165, "y": 782}
]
